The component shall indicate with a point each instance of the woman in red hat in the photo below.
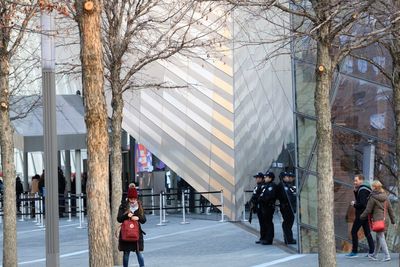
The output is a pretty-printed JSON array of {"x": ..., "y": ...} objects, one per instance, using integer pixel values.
[{"x": 132, "y": 210}]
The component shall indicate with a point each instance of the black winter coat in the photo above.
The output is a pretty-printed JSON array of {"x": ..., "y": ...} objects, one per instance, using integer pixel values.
[
  {"x": 361, "y": 195},
  {"x": 122, "y": 216}
]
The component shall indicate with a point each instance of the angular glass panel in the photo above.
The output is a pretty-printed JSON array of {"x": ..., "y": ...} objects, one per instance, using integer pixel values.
[
  {"x": 309, "y": 240},
  {"x": 305, "y": 87},
  {"x": 308, "y": 200},
  {"x": 364, "y": 106},
  {"x": 362, "y": 68},
  {"x": 305, "y": 140}
]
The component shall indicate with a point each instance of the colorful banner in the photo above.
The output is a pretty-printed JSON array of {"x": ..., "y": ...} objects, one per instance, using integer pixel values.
[{"x": 143, "y": 159}]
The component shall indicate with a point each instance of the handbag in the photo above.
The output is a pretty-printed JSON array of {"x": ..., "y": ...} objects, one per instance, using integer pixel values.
[
  {"x": 379, "y": 225},
  {"x": 130, "y": 231}
]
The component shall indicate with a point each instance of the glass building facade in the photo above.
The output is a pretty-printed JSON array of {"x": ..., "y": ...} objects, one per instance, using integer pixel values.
[{"x": 363, "y": 138}]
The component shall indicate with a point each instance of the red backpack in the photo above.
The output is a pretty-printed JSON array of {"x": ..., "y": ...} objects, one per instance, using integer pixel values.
[{"x": 130, "y": 231}]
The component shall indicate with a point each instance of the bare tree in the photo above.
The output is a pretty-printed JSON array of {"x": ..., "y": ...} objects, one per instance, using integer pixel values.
[
  {"x": 14, "y": 18},
  {"x": 333, "y": 29},
  {"x": 89, "y": 21},
  {"x": 136, "y": 34}
]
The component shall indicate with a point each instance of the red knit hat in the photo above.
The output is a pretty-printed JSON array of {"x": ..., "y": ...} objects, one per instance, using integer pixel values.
[{"x": 132, "y": 192}]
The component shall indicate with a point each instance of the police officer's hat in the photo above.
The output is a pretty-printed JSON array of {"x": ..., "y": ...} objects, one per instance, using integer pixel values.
[
  {"x": 270, "y": 175},
  {"x": 259, "y": 175},
  {"x": 283, "y": 174},
  {"x": 291, "y": 174}
]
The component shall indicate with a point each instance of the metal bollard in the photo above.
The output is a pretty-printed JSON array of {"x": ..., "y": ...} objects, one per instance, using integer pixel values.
[
  {"x": 27, "y": 208},
  {"x": 69, "y": 207},
  {"x": 153, "y": 211},
  {"x": 41, "y": 215},
  {"x": 164, "y": 207},
  {"x": 222, "y": 206},
  {"x": 80, "y": 211},
  {"x": 244, "y": 208},
  {"x": 1, "y": 210},
  {"x": 22, "y": 213},
  {"x": 37, "y": 205},
  {"x": 161, "y": 210},
  {"x": 183, "y": 209}
]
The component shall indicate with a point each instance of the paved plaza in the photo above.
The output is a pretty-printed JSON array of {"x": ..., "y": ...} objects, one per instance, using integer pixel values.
[{"x": 200, "y": 243}]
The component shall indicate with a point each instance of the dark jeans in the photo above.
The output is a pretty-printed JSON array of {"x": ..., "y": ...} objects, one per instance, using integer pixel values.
[
  {"x": 125, "y": 259},
  {"x": 367, "y": 232},
  {"x": 268, "y": 228}
]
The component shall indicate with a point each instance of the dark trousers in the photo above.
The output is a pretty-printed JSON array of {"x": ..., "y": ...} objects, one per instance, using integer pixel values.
[
  {"x": 287, "y": 224},
  {"x": 262, "y": 224},
  {"x": 269, "y": 224},
  {"x": 367, "y": 232},
  {"x": 265, "y": 218}
]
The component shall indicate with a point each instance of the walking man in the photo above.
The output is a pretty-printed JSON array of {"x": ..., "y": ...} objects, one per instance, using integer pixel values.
[{"x": 362, "y": 190}]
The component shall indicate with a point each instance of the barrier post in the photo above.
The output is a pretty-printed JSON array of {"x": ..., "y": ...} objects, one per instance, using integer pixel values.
[
  {"x": 222, "y": 206},
  {"x": 36, "y": 207},
  {"x": 27, "y": 208},
  {"x": 161, "y": 210},
  {"x": 164, "y": 207},
  {"x": 69, "y": 207},
  {"x": 1, "y": 209},
  {"x": 183, "y": 209},
  {"x": 153, "y": 211},
  {"x": 79, "y": 211},
  {"x": 41, "y": 212},
  {"x": 82, "y": 208},
  {"x": 21, "y": 197}
]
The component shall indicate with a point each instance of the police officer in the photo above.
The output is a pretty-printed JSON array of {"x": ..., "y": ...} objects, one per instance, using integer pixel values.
[
  {"x": 255, "y": 205},
  {"x": 287, "y": 204},
  {"x": 267, "y": 199}
]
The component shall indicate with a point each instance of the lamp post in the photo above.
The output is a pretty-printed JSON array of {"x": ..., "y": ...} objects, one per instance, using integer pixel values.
[{"x": 50, "y": 140}]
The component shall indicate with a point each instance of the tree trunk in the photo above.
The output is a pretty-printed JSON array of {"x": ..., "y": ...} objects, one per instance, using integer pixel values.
[
  {"x": 395, "y": 52},
  {"x": 326, "y": 234},
  {"x": 8, "y": 168},
  {"x": 97, "y": 188},
  {"x": 116, "y": 165}
]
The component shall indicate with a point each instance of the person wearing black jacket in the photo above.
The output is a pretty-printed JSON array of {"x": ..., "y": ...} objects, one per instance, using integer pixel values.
[
  {"x": 19, "y": 189},
  {"x": 286, "y": 193},
  {"x": 132, "y": 209},
  {"x": 267, "y": 199},
  {"x": 255, "y": 205},
  {"x": 361, "y": 194}
]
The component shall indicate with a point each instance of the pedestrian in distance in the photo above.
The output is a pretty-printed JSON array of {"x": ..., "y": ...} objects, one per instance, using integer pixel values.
[
  {"x": 267, "y": 205},
  {"x": 286, "y": 194},
  {"x": 132, "y": 209},
  {"x": 19, "y": 189},
  {"x": 377, "y": 207},
  {"x": 362, "y": 190}
]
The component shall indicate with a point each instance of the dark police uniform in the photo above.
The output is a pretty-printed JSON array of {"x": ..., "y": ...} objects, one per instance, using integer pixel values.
[
  {"x": 267, "y": 199},
  {"x": 287, "y": 203},
  {"x": 256, "y": 206}
]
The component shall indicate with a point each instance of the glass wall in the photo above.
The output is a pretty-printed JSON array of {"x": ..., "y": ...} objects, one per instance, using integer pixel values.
[{"x": 363, "y": 125}]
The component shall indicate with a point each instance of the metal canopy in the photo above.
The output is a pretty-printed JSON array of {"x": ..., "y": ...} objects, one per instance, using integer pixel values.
[{"x": 71, "y": 128}]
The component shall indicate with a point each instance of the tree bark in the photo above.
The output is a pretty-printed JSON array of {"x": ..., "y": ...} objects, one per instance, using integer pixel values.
[
  {"x": 8, "y": 168},
  {"x": 395, "y": 53},
  {"x": 326, "y": 234},
  {"x": 116, "y": 163},
  {"x": 97, "y": 188}
]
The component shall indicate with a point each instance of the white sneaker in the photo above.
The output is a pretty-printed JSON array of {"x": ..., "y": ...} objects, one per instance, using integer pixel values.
[
  {"x": 386, "y": 259},
  {"x": 372, "y": 257}
]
